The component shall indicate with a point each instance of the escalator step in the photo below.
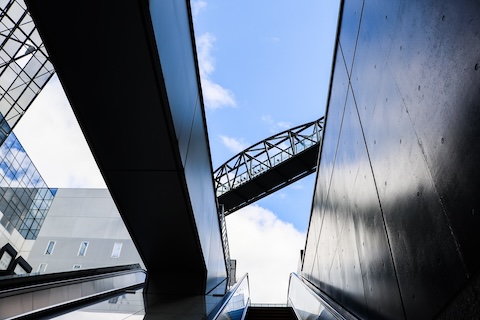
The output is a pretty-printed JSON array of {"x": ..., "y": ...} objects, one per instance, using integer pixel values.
[{"x": 269, "y": 313}]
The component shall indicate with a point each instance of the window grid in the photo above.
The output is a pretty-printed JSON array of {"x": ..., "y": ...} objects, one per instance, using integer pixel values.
[
  {"x": 24, "y": 64},
  {"x": 24, "y": 196}
]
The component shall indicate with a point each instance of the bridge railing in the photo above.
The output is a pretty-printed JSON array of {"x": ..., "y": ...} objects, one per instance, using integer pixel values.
[{"x": 266, "y": 154}]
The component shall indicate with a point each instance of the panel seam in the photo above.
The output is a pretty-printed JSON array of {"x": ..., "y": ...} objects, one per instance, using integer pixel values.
[{"x": 379, "y": 202}]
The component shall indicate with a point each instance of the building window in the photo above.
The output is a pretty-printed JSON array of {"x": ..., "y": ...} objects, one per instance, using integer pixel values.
[
  {"x": 5, "y": 260},
  {"x": 50, "y": 246},
  {"x": 42, "y": 267},
  {"x": 19, "y": 270},
  {"x": 117, "y": 248},
  {"x": 77, "y": 266},
  {"x": 82, "y": 251}
]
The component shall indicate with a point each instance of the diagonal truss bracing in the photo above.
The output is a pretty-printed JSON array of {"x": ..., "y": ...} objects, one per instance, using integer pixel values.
[{"x": 268, "y": 166}]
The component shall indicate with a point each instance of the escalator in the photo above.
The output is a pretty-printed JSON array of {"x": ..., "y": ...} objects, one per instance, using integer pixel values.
[
  {"x": 270, "y": 313},
  {"x": 304, "y": 301}
]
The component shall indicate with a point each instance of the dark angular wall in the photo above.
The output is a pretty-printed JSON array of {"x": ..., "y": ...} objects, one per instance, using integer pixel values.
[
  {"x": 394, "y": 230},
  {"x": 173, "y": 36}
]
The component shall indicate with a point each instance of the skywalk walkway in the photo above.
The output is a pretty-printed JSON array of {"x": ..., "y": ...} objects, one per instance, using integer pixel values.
[{"x": 268, "y": 166}]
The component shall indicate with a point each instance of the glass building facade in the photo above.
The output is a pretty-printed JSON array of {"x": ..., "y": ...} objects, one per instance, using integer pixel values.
[
  {"x": 24, "y": 195},
  {"x": 24, "y": 65}
]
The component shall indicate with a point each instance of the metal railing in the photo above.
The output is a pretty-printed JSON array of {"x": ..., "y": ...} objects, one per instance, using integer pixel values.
[
  {"x": 269, "y": 305},
  {"x": 226, "y": 248},
  {"x": 266, "y": 154},
  {"x": 48, "y": 295}
]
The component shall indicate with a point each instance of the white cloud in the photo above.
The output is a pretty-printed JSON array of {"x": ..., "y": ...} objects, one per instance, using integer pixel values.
[
  {"x": 284, "y": 125},
  {"x": 265, "y": 247},
  {"x": 197, "y": 7},
  {"x": 282, "y": 195},
  {"x": 205, "y": 59},
  {"x": 268, "y": 119},
  {"x": 214, "y": 95},
  {"x": 276, "y": 126},
  {"x": 297, "y": 186},
  {"x": 50, "y": 134},
  {"x": 233, "y": 144}
]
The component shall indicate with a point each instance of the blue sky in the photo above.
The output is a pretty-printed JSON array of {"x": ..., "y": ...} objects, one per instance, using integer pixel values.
[
  {"x": 265, "y": 67},
  {"x": 273, "y": 61}
]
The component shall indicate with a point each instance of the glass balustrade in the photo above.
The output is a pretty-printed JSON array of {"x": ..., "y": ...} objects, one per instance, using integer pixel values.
[
  {"x": 308, "y": 304},
  {"x": 236, "y": 302}
]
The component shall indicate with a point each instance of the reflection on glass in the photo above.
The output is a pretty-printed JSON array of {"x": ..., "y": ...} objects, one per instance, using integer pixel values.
[
  {"x": 124, "y": 306},
  {"x": 50, "y": 246},
  {"x": 237, "y": 302},
  {"x": 117, "y": 248},
  {"x": 5, "y": 260},
  {"x": 82, "y": 251},
  {"x": 24, "y": 64},
  {"x": 305, "y": 302},
  {"x": 24, "y": 196}
]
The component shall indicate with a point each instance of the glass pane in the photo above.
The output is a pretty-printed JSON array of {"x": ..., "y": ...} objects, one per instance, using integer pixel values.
[
  {"x": 42, "y": 267},
  {"x": 4, "y": 4},
  {"x": 122, "y": 307},
  {"x": 50, "y": 247},
  {"x": 15, "y": 11},
  {"x": 117, "y": 248},
  {"x": 82, "y": 251},
  {"x": 5, "y": 260}
]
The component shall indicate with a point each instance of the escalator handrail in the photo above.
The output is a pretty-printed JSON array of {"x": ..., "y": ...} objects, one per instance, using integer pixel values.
[
  {"x": 226, "y": 299},
  {"x": 333, "y": 307}
]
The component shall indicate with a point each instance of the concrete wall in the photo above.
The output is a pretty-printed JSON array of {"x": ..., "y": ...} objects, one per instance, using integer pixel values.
[
  {"x": 395, "y": 217},
  {"x": 78, "y": 215}
]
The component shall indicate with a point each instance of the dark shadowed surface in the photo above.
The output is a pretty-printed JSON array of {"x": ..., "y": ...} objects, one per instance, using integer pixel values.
[{"x": 394, "y": 227}]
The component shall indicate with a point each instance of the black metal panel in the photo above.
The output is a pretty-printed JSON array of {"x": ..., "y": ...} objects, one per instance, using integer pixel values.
[
  {"x": 120, "y": 100},
  {"x": 429, "y": 267},
  {"x": 351, "y": 16},
  {"x": 198, "y": 174},
  {"x": 382, "y": 295},
  {"x": 438, "y": 76},
  {"x": 178, "y": 67},
  {"x": 332, "y": 128},
  {"x": 412, "y": 188}
]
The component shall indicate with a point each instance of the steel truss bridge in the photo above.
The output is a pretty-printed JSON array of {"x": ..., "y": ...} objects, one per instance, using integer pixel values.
[{"x": 268, "y": 166}]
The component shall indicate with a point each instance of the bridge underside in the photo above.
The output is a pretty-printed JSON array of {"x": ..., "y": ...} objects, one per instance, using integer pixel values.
[
  {"x": 268, "y": 166},
  {"x": 270, "y": 181}
]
